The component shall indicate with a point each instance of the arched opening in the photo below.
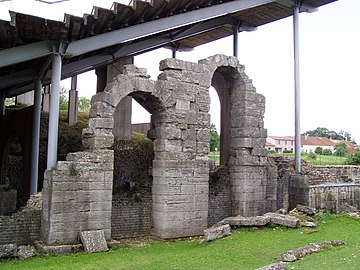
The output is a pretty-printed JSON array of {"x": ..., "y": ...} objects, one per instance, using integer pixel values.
[
  {"x": 215, "y": 127},
  {"x": 12, "y": 188},
  {"x": 223, "y": 81},
  {"x": 132, "y": 189}
]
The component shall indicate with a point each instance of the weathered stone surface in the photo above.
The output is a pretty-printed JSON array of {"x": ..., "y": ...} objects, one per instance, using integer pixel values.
[
  {"x": 26, "y": 252},
  {"x": 274, "y": 266},
  {"x": 283, "y": 220},
  {"x": 347, "y": 208},
  {"x": 217, "y": 232},
  {"x": 93, "y": 241},
  {"x": 8, "y": 251},
  {"x": 310, "y": 211},
  {"x": 247, "y": 221},
  {"x": 309, "y": 224},
  {"x": 57, "y": 249},
  {"x": 300, "y": 253}
]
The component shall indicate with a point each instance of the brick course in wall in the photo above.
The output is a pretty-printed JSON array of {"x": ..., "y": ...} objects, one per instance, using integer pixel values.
[{"x": 22, "y": 227}]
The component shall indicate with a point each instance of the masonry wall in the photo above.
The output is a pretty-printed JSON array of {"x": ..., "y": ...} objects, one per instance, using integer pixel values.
[
  {"x": 77, "y": 196},
  {"x": 333, "y": 197},
  {"x": 219, "y": 196},
  {"x": 131, "y": 216},
  {"x": 333, "y": 174},
  {"x": 22, "y": 227}
]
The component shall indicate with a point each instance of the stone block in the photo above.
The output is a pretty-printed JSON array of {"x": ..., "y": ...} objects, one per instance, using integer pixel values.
[
  {"x": 26, "y": 252},
  {"x": 247, "y": 221},
  {"x": 57, "y": 249},
  {"x": 93, "y": 241},
  {"x": 107, "y": 123},
  {"x": 101, "y": 109},
  {"x": 8, "y": 251},
  {"x": 217, "y": 232},
  {"x": 172, "y": 63},
  {"x": 283, "y": 220}
]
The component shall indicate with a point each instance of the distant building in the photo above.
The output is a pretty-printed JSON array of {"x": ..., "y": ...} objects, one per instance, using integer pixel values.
[{"x": 280, "y": 144}]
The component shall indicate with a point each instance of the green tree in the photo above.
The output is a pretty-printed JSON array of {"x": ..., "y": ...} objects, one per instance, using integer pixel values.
[
  {"x": 214, "y": 138},
  {"x": 319, "y": 150},
  {"x": 354, "y": 159},
  {"x": 340, "y": 149},
  {"x": 327, "y": 152},
  {"x": 324, "y": 132},
  {"x": 84, "y": 104},
  {"x": 63, "y": 106}
]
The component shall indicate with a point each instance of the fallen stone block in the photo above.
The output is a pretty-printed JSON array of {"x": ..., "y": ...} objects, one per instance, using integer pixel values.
[
  {"x": 93, "y": 241},
  {"x": 8, "y": 251},
  {"x": 247, "y": 221},
  {"x": 283, "y": 220},
  {"x": 306, "y": 210},
  {"x": 299, "y": 253},
  {"x": 26, "y": 252},
  {"x": 309, "y": 224},
  {"x": 347, "y": 208},
  {"x": 274, "y": 266},
  {"x": 57, "y": 249},
  {"x": 217, "y": 232}
]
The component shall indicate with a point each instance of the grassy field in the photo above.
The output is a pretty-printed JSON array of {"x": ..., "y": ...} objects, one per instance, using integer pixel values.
[
  {"x": 246, "y": 248},
  {"x": 319, "y": 160}
]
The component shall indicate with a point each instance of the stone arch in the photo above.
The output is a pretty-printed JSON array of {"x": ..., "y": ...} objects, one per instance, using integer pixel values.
[{"x": 243, "y": 134}]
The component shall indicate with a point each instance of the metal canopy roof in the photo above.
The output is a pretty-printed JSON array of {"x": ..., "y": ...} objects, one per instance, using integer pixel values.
[{"x": 27, "y": 43}]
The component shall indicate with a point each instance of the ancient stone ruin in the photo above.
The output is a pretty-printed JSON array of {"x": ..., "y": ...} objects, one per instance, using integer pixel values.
[
  {"x": 77, "y": 195},
  {"x": 175, "y": 193}
]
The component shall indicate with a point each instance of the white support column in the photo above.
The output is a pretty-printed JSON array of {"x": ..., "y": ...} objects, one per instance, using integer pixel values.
[
  {"x": 73, "y": 103},
  {"x": 54, "y": 112},
  {"x": 297, "y": 89},
  {"x": 35, "y": 138}
]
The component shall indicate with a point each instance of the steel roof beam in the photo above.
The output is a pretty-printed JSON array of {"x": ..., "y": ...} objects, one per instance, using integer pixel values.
[
  {"x": 165, "y": 24},
  {"x": 25, "y": 53}
]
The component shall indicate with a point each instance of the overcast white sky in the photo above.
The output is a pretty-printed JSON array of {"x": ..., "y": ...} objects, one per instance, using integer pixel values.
[{"x": 329, "y": 60}]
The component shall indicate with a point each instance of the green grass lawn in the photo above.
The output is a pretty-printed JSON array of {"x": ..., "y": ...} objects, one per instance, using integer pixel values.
[
  {"x": 319, "y": 160},
  {"x": 246, "y": 248}
]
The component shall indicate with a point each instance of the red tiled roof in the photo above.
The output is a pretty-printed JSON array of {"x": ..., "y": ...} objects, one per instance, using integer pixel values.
[
  {"x": 318, "y": 141},
  {"x": 283, "y": 138}
]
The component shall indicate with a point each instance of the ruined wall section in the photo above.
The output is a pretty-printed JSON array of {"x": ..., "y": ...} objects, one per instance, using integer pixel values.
[
  {"x": 247, "y": 153},
  {"x": 77, "y": 194},
  {"x": 22, "y": 227},
  {"x": 180, "y": 168}
]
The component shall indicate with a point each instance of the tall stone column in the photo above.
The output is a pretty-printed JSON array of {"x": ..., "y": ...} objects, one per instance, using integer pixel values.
[
  {"x": 46, "y": 99},
  {"x": 26, "y": 98},
  {"x": 73, "y": 105}
]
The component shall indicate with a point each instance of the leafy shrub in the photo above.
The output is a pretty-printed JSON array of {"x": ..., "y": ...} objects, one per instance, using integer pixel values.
[
  {"x": 288, "y": 151},
  {"x": 318, "y": 150},
  {"x": 354, "y": 159},
  {"x": 312, "y": 156},
  {"x": 327, "y": 152}
]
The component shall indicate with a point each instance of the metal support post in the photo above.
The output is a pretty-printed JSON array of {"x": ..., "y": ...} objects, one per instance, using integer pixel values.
[
  {"x": 54, "y": 112},
  {"x": 235, "y": 40},
  {"x": 35, "y": 138},
  {"x": 297, "y": 89}
]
